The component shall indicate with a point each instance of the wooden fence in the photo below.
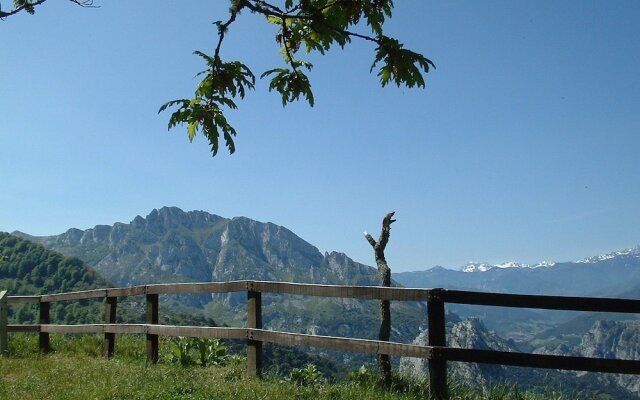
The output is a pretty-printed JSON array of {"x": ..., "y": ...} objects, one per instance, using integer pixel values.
[{"x": 436, "y": 352}]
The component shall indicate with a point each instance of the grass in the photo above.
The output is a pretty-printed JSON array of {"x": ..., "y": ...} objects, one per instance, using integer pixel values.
[{"x": 76, "y": 370}]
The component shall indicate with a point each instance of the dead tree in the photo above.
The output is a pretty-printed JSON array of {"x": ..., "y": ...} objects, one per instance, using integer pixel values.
[{"x": 384, "y": 364}]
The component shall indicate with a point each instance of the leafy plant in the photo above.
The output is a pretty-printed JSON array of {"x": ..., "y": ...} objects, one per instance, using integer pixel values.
[
  {"x": 181, "y": 351},
  {"x": 192, "y": 351},
  {"x": 307, "y": 376},
  {"x": 211, "y": 351},
  {"x": 362, "y": 376}
]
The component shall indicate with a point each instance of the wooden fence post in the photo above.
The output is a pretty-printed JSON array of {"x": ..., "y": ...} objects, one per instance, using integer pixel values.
[
  {"x": 110, "y": 307},
  {"x": 254, "y": 320},
  {"x": 437, "y": 337},
  {"x": 152, "y": 318},
  {"x": 4, "y": 344},
  {"x": 44, "y": 319}
]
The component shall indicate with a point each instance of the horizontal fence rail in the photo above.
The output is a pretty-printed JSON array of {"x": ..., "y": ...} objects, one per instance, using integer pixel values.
[
  {"x": 566, "y": 303},
  {"x": 437, "y": 353}
]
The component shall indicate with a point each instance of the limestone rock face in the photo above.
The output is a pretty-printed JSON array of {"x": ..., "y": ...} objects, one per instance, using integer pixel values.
[
  {"x": 170, "y": 245},
  {"x": 470, "y": 334},
  {"x": 614, "y": 339},
  {"x": 605, "y": 339}
]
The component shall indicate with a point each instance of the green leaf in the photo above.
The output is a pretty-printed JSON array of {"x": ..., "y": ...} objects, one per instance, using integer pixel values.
[
  {"x": 400, "y": 66},
  {"x": 191, "y": 129},
  {"x": 291, "y": 84}
]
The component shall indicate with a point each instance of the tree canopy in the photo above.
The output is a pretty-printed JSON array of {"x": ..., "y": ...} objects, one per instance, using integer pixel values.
[{"x": 302, "y": 26}]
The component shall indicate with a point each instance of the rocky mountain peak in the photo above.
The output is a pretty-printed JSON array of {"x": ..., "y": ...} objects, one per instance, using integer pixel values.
[
  {"x": 171, "y": 245},
  {"x": 166, "y": 218}
]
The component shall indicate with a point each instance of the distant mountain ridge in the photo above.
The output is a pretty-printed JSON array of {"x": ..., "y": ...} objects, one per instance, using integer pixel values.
[
  {"x": 605, "y": 275},
  {"x": 614, "y": 275},
  {"x": 484, "y": 267},
  {"x": 170, "y": 245}
]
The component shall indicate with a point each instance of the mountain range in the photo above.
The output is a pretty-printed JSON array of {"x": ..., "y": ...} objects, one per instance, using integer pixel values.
[
  {"x": 170, "y": 245},
  {"x": 604, "y": 275}
]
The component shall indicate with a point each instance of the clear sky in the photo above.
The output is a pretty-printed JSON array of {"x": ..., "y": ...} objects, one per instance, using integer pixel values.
[{"x": 524, "y": 145}]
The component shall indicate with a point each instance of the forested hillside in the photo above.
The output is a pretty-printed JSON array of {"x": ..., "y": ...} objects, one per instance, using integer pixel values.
[{"x": 28, "y": 268}]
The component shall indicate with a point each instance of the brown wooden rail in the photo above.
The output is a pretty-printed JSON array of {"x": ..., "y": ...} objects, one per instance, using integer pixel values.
[{"x": 436, "y": 352}]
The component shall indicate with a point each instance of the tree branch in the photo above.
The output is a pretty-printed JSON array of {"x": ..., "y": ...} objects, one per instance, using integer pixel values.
[
  {"x": 386, "y": 230},
  {"x": 370, "y": 239},
  {"x": 31, "y": 4},
  {"x": 380, "y": 245},
  {"x": 20, "y": 8},
  {"x": 84, "y": 3},
  {"x": 269, "y": 10},
  {"x": 285, "y": 30},
  {"x": 267, "y": 6},
  {"x": 222, "y": 29}
]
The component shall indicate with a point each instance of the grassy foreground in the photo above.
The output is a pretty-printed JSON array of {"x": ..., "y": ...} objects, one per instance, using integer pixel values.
[{"x": 76, "y": 371}]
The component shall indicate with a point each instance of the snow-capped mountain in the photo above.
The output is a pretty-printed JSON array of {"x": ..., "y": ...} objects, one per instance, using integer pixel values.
[
  {"x": 615, "y": 274},
  {"x": 484, "y": 267},
  {"x": 473, "y": 266},
  {"x": 632, "y": 252}
]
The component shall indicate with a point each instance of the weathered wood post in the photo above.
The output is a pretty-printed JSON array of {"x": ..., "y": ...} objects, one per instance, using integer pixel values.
[
  {"x": 254, "y": 320},
  {"x": 4, "y": 344},
  {"x": 437, "y": 337},
  {"x": 384, "y": 362},
  {"x": 110, "y": 307},
  {"x": 44, "y": 319},
  {"x": 152, "y": 318}
]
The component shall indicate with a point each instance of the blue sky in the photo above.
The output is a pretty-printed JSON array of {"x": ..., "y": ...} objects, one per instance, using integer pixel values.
[{"x": 524, "y": 145}]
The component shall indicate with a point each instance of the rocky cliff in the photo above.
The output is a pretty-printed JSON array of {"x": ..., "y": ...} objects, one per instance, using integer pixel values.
[
  {"x": 471, "y": 334},
  {"x": 170, "y": 245},
  {"x": 605, "y": 339},
  {"x": 613, "y": 339}
]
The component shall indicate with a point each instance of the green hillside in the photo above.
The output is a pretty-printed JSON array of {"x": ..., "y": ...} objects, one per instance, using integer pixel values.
[{"x": 27, "y": 268}]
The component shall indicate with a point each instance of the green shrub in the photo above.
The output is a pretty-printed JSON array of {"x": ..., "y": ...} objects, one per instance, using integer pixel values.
[
  {"x": 198, "y": 351},
  {"x": 307, "y": 376}
]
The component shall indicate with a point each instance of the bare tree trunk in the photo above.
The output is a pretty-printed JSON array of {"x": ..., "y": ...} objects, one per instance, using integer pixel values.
[{"x": 384, "y": 364}]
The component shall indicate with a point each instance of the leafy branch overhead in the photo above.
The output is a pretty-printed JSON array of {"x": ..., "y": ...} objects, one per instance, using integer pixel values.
[
  {"x": 28, "y": 6},
  {"x": 303, "y": 26},
  {"x": 312, "y": 25}
]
